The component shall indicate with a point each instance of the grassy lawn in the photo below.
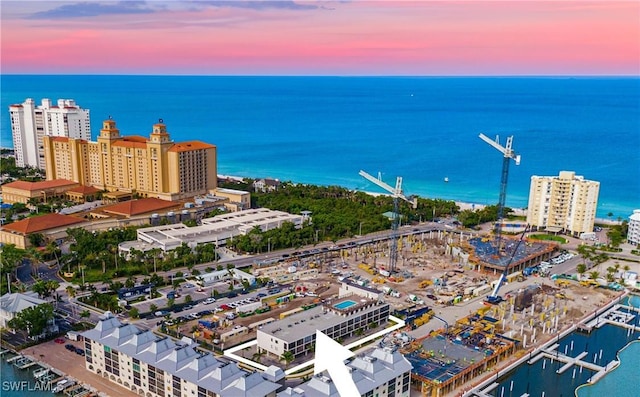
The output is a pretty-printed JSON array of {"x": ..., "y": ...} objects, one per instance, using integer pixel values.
[{"x": 548, "y": 237}]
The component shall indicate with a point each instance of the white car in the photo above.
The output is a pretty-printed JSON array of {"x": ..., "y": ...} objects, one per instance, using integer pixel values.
[{"x": 209, "y": 300}]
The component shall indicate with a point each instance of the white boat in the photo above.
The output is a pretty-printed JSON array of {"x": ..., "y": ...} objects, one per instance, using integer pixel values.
[
  {"x": 61, "y": 385},
  {"x": 446, "y": 179}
]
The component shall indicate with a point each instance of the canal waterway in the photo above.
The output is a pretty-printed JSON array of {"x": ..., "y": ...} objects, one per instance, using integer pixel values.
[
  {"x": 602, "y": 346},
  {"x": 20, "y": 382}
]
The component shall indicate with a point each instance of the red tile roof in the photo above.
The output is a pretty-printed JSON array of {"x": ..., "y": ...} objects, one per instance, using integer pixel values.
[
  {"x": 190, "y": 145},
  {"x": 138, "y": 207},
  {"x": 41, "y": 223},
  {"x": 84, "y": 189},
  {"x": 41, "y": 185}
]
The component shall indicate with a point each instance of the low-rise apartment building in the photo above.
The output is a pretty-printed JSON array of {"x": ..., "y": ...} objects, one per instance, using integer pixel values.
[
  {"x": 340, "y": 320},
  {"x": 153, "y": 366},
  {"x": 383, "y": 372}
]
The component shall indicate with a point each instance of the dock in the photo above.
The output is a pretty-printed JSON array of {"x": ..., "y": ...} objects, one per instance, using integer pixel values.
[
  {"x": 77, "y": 391},
  {"x": 39, "y": 373},
  {"x": 485, "y": 392},
  {"x": 14, "y": 358},
  {"x": 24, "y": 362},
  {"x": 602, "y": 373}
]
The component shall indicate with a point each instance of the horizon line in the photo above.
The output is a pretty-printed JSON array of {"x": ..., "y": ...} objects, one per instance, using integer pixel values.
[{"x": 340, "y": 75}]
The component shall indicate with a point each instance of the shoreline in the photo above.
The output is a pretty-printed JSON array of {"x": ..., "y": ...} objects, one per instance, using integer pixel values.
[{"x": 464, "y": 205}]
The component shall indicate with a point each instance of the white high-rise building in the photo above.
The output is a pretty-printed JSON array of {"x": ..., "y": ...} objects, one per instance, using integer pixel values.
[
  {"x": 566, "y": 203},
  {"x": 30, "y": 122},
  {"x": 633, "y": 233}
]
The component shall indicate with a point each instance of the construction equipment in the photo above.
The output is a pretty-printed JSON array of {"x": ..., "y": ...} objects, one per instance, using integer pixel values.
[
  {"x": 397, "y": 194},
  {"x": 367, "y": 268},
  {"x": 425, "y": 283},
  {"x": 508, "y": 155},
  {"x": 494, "y": 298}
]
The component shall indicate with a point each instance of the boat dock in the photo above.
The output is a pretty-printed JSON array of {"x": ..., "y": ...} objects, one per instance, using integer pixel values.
[
  {"x": 39, "y": 373},
  {"x": 14, "y": 358},
  {"x": 77, "y": 391},
  {"x": 615, "y": 316},
  {"x": 24, "y": 362}
]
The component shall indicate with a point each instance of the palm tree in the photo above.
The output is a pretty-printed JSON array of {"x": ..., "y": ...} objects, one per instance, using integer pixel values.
[
  {"x": 71, "y": 291},
  {"x": 594, "y": 275},
  {"x": 257, "y": 356},
  {"x": 581, "y": 269},
  {"x": 287, "y": 357}
]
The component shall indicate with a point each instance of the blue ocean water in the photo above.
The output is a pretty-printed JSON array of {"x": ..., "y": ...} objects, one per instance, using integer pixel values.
[{"x": 323, "y": 130}]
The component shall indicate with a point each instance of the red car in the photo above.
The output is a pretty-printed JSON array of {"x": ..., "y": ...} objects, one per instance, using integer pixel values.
[
  {"x": 225, "y": 307},
  {"x": 59, "y": 341}
]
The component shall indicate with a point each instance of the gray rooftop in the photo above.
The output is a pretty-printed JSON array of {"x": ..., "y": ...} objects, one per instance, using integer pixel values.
[
  {"x": 368, "y": 371},
  {"x": 183, "y": 361},
  {"x": 17, "y": 302},
  {"x": 300, "y": 325}
]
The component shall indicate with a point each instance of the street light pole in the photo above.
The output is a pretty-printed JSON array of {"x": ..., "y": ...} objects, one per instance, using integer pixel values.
[{"x": 269, "y": 245}]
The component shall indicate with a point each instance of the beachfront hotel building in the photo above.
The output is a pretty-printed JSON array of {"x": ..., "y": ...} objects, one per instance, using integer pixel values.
[
  {"x": 149, "y": 167},
  {"x": 339, "y": 320},
  {"x": 633, "y": 233},
  {"x": 383, "y": 372},
  {"x": 565, "y": 203},
  {"x": 30, "y": 123},
  {"x": 154, "y": 366}
]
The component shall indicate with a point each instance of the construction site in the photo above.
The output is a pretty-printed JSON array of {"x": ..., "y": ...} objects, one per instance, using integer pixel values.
[{"x": 445, "y": 283}]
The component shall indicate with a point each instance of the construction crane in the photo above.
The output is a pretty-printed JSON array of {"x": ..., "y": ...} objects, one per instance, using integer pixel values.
[
  {"x": 508, "y": 155},
  {"x": 494, "y": 298},
  {"x": 397, "y": 194}
]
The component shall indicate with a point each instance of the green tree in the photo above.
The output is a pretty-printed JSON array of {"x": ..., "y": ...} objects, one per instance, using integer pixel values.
[
  {"x": 153, "y": 307},
  {"x": 134, "y": 312},
  {"x": 581, "y": 269},
  {"x": 36, "y": 239},
  {"x": 287, "y": 357},
  {"x": 45, "y": 288},
  {"x": 10, "y": 259},
  {"x": 33, "y": 319},
  {"x": 188, "y": 299},
  {"x": 85, "y": 314}
]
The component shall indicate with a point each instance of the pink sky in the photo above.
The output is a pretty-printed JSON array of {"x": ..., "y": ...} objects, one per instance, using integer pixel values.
[{"x": 321, "y": 37}]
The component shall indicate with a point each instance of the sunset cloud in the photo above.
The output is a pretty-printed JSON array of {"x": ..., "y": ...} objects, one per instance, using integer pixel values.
[{"x": 322, "y": 37}]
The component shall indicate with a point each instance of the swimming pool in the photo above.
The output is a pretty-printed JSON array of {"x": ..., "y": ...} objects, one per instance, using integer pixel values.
[{"x": 344, "y": 304}]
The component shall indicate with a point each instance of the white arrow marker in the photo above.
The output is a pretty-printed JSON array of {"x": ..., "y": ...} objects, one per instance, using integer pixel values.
[{"x": 330, "y": 356}]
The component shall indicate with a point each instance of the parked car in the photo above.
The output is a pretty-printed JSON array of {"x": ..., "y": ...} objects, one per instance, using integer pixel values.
[
  {"x": 79, "y": 351},
  {"x": 69, "y": 346},
  {"x": 209, "y": 301}
]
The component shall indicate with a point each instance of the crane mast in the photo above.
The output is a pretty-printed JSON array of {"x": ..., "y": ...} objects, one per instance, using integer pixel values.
[
  {"x": 508, "y": 155},
  {"x": 396, "y": 194}
]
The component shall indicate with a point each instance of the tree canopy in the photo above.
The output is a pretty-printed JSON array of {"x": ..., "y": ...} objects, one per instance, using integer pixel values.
[{"x": 33, "y": 319}]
